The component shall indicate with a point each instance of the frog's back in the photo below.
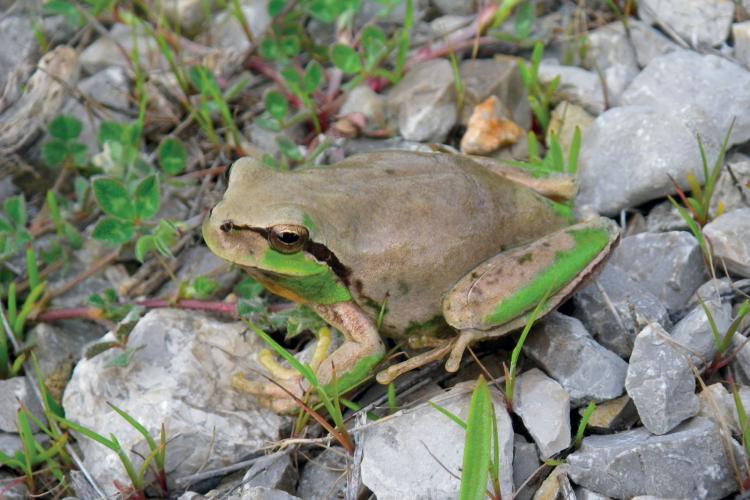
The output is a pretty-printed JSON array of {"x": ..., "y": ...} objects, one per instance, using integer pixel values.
[{"x": 409, "y": 225}]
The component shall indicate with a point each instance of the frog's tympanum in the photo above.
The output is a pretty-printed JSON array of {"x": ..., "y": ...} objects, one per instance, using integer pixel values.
[{"x": 454, "y": 251}]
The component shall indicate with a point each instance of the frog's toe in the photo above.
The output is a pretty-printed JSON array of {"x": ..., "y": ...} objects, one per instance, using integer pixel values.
[{"x": 270, "y": 391}]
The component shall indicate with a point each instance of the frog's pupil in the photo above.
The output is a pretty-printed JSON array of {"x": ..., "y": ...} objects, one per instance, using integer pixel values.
[{"x": 289, "y": 238}]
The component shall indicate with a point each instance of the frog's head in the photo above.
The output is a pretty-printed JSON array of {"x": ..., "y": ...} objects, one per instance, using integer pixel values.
[{"x": 259, "y": 226}]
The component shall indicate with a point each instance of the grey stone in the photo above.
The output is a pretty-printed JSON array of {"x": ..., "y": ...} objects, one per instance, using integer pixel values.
[
  {"x": 614, "y": 309},
  {"x": 669, "y": 265},
  {"x": 263, "y": 493},
  {"x": 719, "y": 405},
  {"x": 694, "y": 330},
  {"x": 525, "y": 463},
  {"x": 11, "y": 443},
  {"x": 544, "y": 407},
  {"x": 584, "y": 494},
  {"x": 563, "y": 348},
  {"x": 200, "y": 261},
  {"x": 499, "y": 77},
  {"x": 423, "y": 102},
  {"x": 275, "y": 471},
  {"x": 106, "y": 51},
  {"x": 609, "y": 46},
  {"x": 741, "y": 37},
  {"x": 455, "y": 8},
  {"x": 648, "y": 43},
  {"x": 14, "y": 392},
  {"x": 189, "y": 15},
  {"x": 699, "y": 22},
  {"x": 577, "y": 85},
  {"x": 661, "y": 146},
  {"x": 689, "y": 462},
  {"x": 732, "y": 188},
  {"x": 401, "y": 460},
  {"x": 704, "y": 92},
  {"x": 227, "y": 34},
  {"x": 364, "y": 100},
  {"x": 730, "y": 238},
  {"x": 58, "y": 348},
  {"x": 660, "y": 381},
  {"x": 323, "y": 477},
  {"x": 740, "y": 364},
  {"x": 18, "y": 52},
  {"x": 665, "y": 217},
  {"x": 179, "y": 375}
]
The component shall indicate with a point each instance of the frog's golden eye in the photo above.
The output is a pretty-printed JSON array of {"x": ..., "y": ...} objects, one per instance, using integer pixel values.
[{"x": 287, "y": 238}]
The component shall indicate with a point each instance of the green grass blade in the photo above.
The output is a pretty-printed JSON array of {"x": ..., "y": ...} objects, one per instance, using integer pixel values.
[
  {"x": 477, "y": 444},
  {"x": 584, "y": 422},
  {"x": 742, "y": 418},
  {"x": 90, "y": 434},
  {"x": 28, "y": 306},
  {"x": 712, "y": 324},
  {"x": 727, "y": 341},
  {"x": 137, "y": 426},
  {"x": 456, "y": 419}
]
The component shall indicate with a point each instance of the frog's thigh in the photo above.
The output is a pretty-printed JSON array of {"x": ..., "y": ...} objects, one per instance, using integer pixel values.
[
  {"x": 497, "y": 296},
  {"x": 362, "y": 348}
]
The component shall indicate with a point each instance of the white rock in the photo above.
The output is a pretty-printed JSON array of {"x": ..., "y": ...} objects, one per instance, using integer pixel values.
[
  {"x": 730, "y": 238},
  {"x": 544, "y": 408},
  {"x": 660, "y": 381},
  {"x": 741, "y": 36},
  {"x": 402, "y": 455},
  {"x": 699, "y": 22},
  {"x": 179, "y": 376}
]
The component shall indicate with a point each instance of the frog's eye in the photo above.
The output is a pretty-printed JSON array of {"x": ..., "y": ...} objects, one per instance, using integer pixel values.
[{"x": 287, "y": 238}]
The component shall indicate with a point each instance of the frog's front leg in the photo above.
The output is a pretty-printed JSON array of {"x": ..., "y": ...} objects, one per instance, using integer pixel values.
[{"x": 352, "y": 362}]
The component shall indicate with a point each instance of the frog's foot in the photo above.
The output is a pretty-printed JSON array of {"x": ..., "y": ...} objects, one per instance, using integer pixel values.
[
  {"x": 273, "y": 395},
  {"x": 394, "y": 371}
]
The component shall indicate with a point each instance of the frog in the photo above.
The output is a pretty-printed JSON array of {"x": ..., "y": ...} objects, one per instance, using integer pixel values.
[{"x": 436, "y": 251}]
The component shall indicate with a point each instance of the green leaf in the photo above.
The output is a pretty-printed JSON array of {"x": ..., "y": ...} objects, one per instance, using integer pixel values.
[
  {"x": 172, "y": 156},
  {"x": 113, "y": 231},
  {"x": 345, "y": 58},
  {"x": 143, "y": 246},
  {"x": 276, "y": 105},
  {"x": 201, "y": 288},
  {"x": 15, "y": 209},
  {"x": 248, "y": 288},
  {"x": 275, "y": 7},
  {"x": 79, "y": 152},
  {"x": 147, "y": 197},
  {"x": 64, "y": 8},
  {"x": 524, "y": 19},
  {"x": 289, "y": 45},
  {"x": 477, "y": 447},
  {"x": 288, "y": 148},
  {"x": 373, "y": 43},
  {"x": 271, "y": 124},
  {"x": 325, "y": 11},
  {"x": 111, "y": 132},
  {"x": 291, "y": 78},
  {"x": 54, "y": 152},
  {"x": 65, "y": 127},
  {"x": 113, "y": 198},
  {"x": 269, "y": 49},
  {"x": 313, "y": 77}
]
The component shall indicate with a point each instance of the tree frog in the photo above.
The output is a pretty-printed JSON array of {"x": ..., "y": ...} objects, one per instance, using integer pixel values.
[{"x": 454, "y": 250}]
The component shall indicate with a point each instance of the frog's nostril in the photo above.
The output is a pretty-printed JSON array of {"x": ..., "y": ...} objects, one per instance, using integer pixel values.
[{"x": 226, "y": 226}]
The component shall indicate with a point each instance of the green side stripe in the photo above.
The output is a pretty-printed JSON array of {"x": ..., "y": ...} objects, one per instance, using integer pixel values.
[
  {"x": 359, "y": 372},
  {"x": 311, "y": 280},
  {"x": 321, "y": 288},
  {"x": 295, "y": 264},
  {"x": 565, "y": 267}
]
